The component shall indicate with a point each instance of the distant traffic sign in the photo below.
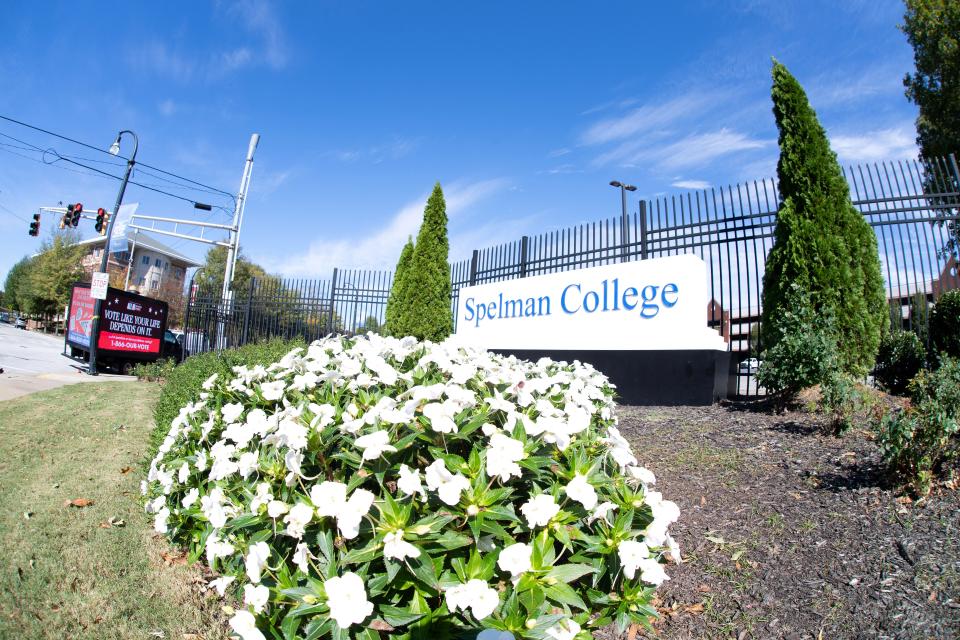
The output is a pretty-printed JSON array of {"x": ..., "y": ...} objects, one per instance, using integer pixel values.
[{"x": 99, "y": 284}]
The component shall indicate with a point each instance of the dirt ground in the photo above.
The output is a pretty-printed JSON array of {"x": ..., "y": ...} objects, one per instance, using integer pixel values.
[{"x": 790, "y": 532}]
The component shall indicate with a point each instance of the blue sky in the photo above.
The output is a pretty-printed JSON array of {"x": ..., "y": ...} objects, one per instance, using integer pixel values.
[{"x": 523, "y": 111}]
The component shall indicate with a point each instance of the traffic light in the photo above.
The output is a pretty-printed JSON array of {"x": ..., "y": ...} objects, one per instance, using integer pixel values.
[
  {"x": 102, "y": 221},
  {"x": 35, "y": 225},
  {"x": 77, "y": 210},
  {"x": 67, "y": 220}
]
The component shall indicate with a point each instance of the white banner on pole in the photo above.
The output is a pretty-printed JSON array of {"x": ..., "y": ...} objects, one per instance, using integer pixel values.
[{"x": 118, "y": 240}]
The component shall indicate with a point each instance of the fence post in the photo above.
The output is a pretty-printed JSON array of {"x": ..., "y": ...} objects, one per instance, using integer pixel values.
[
  {"x": 246, "y": 315},
  {"x": 524, "y": 249},
  {"x": 333, "y": 297},
  {"x": 643, "y": 229},
  {"x": 956, "y": 171},
  {"x": 473, "y": 267}
]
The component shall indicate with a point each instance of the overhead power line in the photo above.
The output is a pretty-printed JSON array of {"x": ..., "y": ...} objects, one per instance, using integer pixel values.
[{"x": 75, "y": 160}]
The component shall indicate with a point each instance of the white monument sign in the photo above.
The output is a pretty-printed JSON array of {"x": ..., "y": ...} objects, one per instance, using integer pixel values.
[
  {"x": 98, "y": 285},
  {"x": 657, "y": 304}
]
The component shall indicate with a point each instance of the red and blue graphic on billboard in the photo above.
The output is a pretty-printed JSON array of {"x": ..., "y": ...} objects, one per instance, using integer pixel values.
[{"x": 81, "y": 317}]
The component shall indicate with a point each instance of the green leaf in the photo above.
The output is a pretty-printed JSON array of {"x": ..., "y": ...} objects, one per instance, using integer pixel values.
[
  {"x": 399, "y": 617},
  {"x": 366, "y": 554},
  {"x": 564, "y": 594},
  {"x": 450, "y": 540},
  {"x": 570, "y": 572},
  {"x": 424, "y": 571}
]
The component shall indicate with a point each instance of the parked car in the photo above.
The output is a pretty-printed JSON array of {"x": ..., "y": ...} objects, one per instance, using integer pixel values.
[
  {"x": 4, "y": 317},
  {"x": 172, "y": 345},
  {"x": 21, "y": 323},
  {"x": 750, "y": 365}
]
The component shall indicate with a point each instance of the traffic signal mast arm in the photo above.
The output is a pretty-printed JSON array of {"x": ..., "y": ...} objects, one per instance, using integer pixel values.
[{"x": 153, "y": 229}]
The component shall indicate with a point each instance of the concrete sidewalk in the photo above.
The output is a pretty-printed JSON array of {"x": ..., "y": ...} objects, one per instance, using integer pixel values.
[{"x": 34, "y": 361}]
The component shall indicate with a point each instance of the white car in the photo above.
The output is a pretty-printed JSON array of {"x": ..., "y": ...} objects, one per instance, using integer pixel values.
[{"x": 750, "y": 365}]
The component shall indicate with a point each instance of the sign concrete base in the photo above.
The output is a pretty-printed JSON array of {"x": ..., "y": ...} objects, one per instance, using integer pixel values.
[{"x": 673, "y": 377}]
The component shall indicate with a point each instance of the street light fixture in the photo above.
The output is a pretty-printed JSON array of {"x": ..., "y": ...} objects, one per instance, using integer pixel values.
[
  {"x": 623, "y": 220},
  {"x": 98, "y": 304}
]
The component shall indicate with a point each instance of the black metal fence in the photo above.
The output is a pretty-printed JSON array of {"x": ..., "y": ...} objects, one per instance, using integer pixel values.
[{"x": 912, "y": 206}]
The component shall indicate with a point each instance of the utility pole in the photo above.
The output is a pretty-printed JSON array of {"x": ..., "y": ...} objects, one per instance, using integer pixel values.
[
  {"x": 133, "y": 249},
  {"x": 234, "y": 246},
  {"x": 98, "y": 305}
]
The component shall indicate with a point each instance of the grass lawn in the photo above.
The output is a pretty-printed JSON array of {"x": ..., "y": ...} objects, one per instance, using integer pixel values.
[{"x": 65, "y": 572}]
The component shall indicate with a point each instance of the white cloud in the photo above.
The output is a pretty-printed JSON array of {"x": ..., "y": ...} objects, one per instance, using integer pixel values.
[
  {"x": 395, "y": 149},
  {"x": 691, "y": 184},
  {"x": 380, "y": 249},
  {"x": 897, "y": 143},
  {"x": 264, "y": 44},
  {"x": 647, "y": 118},
  {"x": 695, "y": 150},
  {"x": 556, "y": 153}
]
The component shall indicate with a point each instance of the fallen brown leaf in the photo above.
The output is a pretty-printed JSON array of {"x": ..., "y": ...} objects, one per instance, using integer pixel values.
[
  {"x": 173, "y": 558},
  {"x": 703, "y": 501},
  {"x": 78, "y": 502},
  {"x": 694, "y": 608},
  {"x": 126, "y": 470},
  {"x": 380, "y": 625},
  {"x": 632, "y": 632},
  {"x": 704, "y": 589},
  {"x": 191, "y": 636}
]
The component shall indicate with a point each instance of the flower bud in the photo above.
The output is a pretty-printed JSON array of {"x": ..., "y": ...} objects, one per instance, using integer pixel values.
[
  {"x": 473, "y": 510},
  {"x": 531, "y": 623},
  {"x": 609, "y": 542}
]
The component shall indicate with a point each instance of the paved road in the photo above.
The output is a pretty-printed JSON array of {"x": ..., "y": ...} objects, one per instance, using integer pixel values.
[{"x": 32, "y": 362}]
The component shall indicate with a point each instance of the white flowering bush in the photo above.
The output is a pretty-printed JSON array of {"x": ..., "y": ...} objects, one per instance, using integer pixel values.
[{"x": 373, "y": 485}]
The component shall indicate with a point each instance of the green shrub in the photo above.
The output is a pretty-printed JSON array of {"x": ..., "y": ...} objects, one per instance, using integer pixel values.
[
  {"x": 901, "y": 357},
  {"x": 843, "y": 399},
  {"x": 182, "y": 383},
  {"x": 918, "y": 443},
  {"x": 154, "y": 371},
  {"x": 805, "y": 352},
  {"x": 368, "y": 486},
  {"x": 945, "y": 325}
]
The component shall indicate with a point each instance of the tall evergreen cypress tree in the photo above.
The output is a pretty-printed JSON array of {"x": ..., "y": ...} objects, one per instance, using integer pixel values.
[
  {"x": 397, "y": 298},
  {"x": 426, "y": 311},
  {"x": 821, "y": 241}
]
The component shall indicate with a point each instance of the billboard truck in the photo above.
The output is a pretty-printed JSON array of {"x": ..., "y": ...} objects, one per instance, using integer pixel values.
[{"x": 133, "y": 328}]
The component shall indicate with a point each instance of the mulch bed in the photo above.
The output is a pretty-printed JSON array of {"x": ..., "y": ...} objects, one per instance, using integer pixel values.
[{"x": 790, "y": 532}]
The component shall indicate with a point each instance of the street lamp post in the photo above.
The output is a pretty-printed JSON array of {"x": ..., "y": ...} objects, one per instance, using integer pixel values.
[
  {"x": 623, "y": 220},
  {"x": 98, "y": 304}
]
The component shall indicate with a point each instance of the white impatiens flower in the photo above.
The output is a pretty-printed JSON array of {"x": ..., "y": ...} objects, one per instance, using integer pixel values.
[
  {"x": 347, "y": 599},
  {"x": 256, "y": 560},
  {"x": 539, "y": 510},
  {"x": 409, "y": 482},
  {"x": 231, "y": 412},
  {"x": 394, "y": 546},
  {"x": 641, "y": 475},
  {"x": 600, "y": 513},
  {"x": 217, "y": 548},
  {"x": 262, "y": 497},
  {"x": 160, "y": 520},
  {"x": 673, "y": 549},
  {"x": 330, "y": 499},
  {"x": 475, "y": 595},
  {"x": 208, "y": 383},
  {"x": 256, "y": 596},
  {"x": 244, "y": 624},
  {"x": 441, "y": 416},
  {"x": 448, "y": 486},
  {"x": 192, "y": 496},
  {"x": 221, "y": 584},
  {"x": 665, "y": 513},
  {"x": 300, "y": 556},
  {"x": 273, "y": 390},
  {"x": 374, "y": 444},
  {"x": 565, "y": 629},
  {"x": 322, "y": 415},
  {"x": 632, "y": 553},
  {"x": 619, "y": 448},
  {"x": 503, "y": 455},
  {"x": 248, "y": 463},
  {"x": 515, "y": 558},
  {"x": 297, "y": 520},
  {"x": 651, "y": 571},
  {"x": 184, "y": 473},
  {"x": 582, "y": 491},
  {"x": 276, "y": 508}
]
